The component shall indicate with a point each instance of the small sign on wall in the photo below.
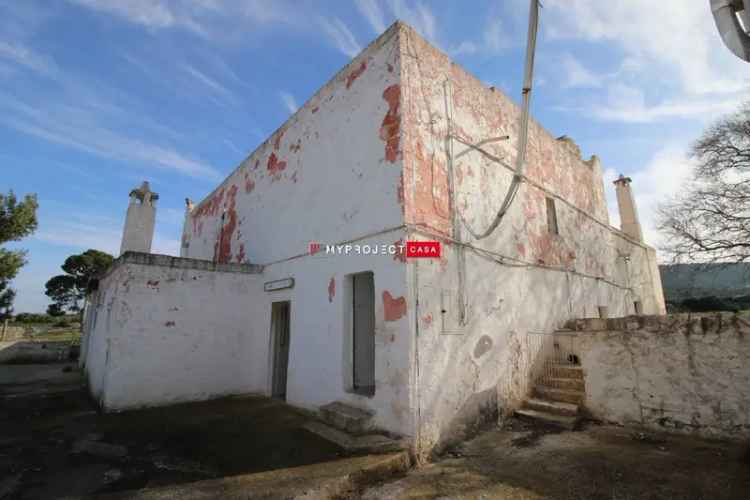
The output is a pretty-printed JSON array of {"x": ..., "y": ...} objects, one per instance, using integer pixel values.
[{"x": 272, "y": 286}]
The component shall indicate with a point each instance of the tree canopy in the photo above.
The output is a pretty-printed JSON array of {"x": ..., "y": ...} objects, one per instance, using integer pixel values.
[
  {"x": 709, "y": 221},
  {"x": 17, "y": 220},
  {"x": 69, "y": 289}
]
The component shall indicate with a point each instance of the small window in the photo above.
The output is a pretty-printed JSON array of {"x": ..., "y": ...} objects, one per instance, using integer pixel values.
[{"x": 552, "y": 217}]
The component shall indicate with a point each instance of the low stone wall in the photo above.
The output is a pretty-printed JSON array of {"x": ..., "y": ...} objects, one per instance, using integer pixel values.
[
  {"x": 9, "y": 333},
  {"x": 685, "y": 372}
]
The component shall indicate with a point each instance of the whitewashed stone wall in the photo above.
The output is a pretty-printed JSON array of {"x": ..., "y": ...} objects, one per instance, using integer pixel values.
[{"x": 684, "y": 373}]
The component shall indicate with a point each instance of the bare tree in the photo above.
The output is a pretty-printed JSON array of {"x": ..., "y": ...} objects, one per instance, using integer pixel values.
[{"x": 709, "y": 221}]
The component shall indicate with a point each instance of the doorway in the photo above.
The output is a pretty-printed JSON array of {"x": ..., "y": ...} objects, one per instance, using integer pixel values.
[
  {"x": 280, "y": 339},
  {"x": 363, "y": 323}
]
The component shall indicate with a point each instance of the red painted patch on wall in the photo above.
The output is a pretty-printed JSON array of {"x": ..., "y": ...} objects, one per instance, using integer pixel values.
[
  {"x": 331, "y": 289},
  {"x": 209, "y": 208},
  {"x": 275, "y": 166},
  {"x": 277, "y": 141},
  {"x": 427, "y": 319},
  {"x": 356, "y": 74},
  {"x": 400, "y": 255},
  {"x": 393, "y": 309},
  {"x": 241, "y": 254},
  {"x": 223, "y": 247},
  {"x": 400, "y": 190},
  {"x": 390, "y": 129}
]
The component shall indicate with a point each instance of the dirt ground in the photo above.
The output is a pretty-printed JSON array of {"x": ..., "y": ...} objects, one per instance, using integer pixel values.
[
  {"x": 54, "y": 444},
  {"x": 522, "y": 461}
]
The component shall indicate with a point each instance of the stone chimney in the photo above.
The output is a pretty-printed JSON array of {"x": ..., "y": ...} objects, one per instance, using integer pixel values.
[
  {"x": 139, "y": 221},
  {"x": 629, "y": 223},
  {"x": 185, "y": 242}
]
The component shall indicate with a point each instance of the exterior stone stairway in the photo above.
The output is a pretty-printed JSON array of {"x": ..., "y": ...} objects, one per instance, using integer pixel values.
[
  {"x": 556, "y": 397},
  {"x": 351, "y": 429}
]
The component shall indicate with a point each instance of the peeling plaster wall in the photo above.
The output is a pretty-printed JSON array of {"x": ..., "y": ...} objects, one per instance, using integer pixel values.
[
  {"x": 320, "y": 358},
  {"x": 162, "y": 335},
  {"x": 520, "y": 279},
  {"x": 329, "y": 174},
  {"x": 684, "y": 373}
]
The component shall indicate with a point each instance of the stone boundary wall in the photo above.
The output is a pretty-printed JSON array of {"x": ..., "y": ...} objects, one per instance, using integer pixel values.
[
  {"x": 8, "y": 333},
  {"x": 687, "y": 373}
]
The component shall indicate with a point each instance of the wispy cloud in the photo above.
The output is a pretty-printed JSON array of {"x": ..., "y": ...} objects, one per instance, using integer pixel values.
[
  {"x": 419, "y": 16},
  {"x": 209, "y": 19},
  {"x": 26, "y": 58},
  {"x": 153, "y": 14},
  {"x": 209, "y": 82},
  {"x": 575, "y": 74},
  {"x": 340, "y": 36},
  {"x": 80, "y": 126},
  {"x": 625, "y": 103},
  {"x": 289, "y": 101},
  {"x": 84, "y": 231},
  {"x": 494, "y": 39},
  {"x": 372, "y": 12}
]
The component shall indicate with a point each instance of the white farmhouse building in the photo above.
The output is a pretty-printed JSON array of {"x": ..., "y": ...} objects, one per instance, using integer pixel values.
[{"x": 401, "y": 145}]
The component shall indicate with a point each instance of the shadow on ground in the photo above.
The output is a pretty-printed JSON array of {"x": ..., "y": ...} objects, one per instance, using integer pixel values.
[
  {"x": 54, "y": 444},
  {"x": 525, "y": 461}
]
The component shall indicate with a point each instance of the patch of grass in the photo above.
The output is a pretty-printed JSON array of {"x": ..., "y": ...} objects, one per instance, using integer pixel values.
[{"x": 73, "y": 336}]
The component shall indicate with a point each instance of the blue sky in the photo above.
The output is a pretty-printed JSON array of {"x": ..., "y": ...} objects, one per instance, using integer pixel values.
[{"x": 97, "y": 95}]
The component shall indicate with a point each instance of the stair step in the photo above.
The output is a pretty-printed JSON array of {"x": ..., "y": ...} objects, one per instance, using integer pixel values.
[
  {"x": 565, "y": 371},
  {"x": 554, "y": 394},
  {"x": 346, "y": 418},
  {"x": 566, "y": 422},
  {"x": 572, "y": 384},
  {"x": 554, "y": 407},
  {"x": 367, "y": 443}
]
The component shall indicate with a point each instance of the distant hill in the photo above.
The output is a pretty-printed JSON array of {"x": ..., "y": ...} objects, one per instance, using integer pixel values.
[{"x": 703, "y": 287}]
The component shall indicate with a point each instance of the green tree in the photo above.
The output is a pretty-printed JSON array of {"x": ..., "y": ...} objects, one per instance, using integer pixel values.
[
  {"x": 69, "y": 289},
  {"x": 17, "y": 220}
]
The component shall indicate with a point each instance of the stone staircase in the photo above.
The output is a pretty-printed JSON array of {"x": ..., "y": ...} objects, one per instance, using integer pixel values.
[
  {"x": 557, "y": 395},
  {"x": 351, "y": 429}
]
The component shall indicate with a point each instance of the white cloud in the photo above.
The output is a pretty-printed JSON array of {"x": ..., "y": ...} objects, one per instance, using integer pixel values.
[
  {"x": 628, "y": 104},
  {"x": 341, "y": 37},
  {"x": 373, "y": 13},
  {"x": 675, "y": 42},
  {"x": 576, "y": 74},
  {"x": 662, "y": 177},
  {"x": 289, "y": 101}
]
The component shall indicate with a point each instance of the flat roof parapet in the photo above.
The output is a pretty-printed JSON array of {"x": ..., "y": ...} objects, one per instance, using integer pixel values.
[{"x": 153, "y": 259}]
